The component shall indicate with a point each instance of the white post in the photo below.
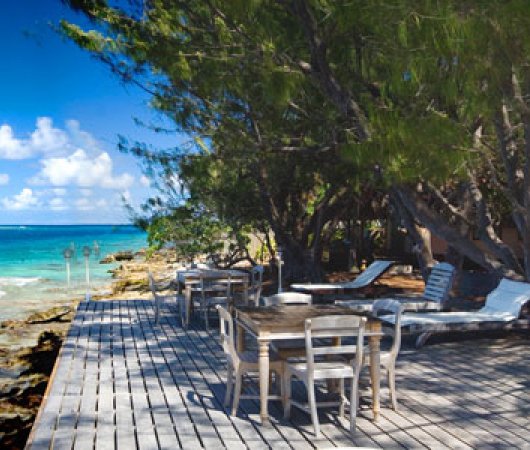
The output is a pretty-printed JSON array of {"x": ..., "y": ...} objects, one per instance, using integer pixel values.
[
  {"x": 280, "y": 262},
  {"x": 86, "y": 254},
  {"x": 67, "y": 253}
]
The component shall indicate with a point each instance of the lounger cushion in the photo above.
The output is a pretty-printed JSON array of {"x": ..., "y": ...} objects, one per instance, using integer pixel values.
[
  {"x": 503, "y": 304},
  {"x": 508, "y": 297}
]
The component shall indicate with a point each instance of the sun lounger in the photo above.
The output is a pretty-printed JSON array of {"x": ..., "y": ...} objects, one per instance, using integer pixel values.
[
  {"x": 501, "y": 311},
  {"x": 366, "y": 278},
  {"x": 434, "y": 296}
]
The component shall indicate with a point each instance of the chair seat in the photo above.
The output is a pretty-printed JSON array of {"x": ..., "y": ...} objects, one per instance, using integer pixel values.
[{"x": 323, "y": 370}]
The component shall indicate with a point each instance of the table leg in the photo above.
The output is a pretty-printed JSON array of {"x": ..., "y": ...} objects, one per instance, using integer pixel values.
[
  {"x": 375, "y": 372},
  {"x": 245, "y": 291},
  {"x": 187, "y": 304},
  {"x": 264, "y": 381},
  {"x": 240, "y": 338}
]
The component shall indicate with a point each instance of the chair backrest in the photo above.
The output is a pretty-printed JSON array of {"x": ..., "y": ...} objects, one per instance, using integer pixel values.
[
  {"x": 256, "y": 284},
  {"x": 439, "y": 283},
  {"x": 227, "y": 335},
  {"x": 334, "y": 327},
  {"x": 370, "y": 274},
  {"x": 288, "y": 298},
  {"x": 256, "y": 275},
  {"x": 385, "y": 306},
  {"x": 508, "y": 297},
  {"x": 209, "y": 286}
]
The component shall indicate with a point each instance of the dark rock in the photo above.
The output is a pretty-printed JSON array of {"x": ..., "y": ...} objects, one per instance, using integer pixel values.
[
  {"x": 51, "y": 315},
  {"x": 124, "y": 256}
]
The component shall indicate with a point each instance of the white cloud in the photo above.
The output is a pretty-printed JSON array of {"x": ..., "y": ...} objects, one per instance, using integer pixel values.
[
  {"x": 45, "y": 140},
  {"x": 25, "y": 200},
  {"x": 84, "y": 204},
  {"x": 58, "y": 204},
  {"x": 81, "y": 170},
  {"x": 4, "y": 179},
  {"x": 60, "y": 192},
  {"x": 144, "y": 181},
  {"x": 85, "y": 192}
]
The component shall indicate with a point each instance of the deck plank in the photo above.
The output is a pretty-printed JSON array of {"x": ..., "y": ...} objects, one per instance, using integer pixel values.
[{"x": 123, "y": 381}]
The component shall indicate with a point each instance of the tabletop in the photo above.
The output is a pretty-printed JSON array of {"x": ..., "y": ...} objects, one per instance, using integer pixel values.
[{"x": 291, "y": 318}]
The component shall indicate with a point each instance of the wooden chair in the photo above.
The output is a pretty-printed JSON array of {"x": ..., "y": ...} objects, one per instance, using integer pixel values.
[
  {"x": 218, "y": 292},
  {"x": 157, "y": 298},
  {"x": 388, "y": 358},
  {"x": 240, "y": 364},
  {"x": 315, "y": 368},
  {"x": 288, "y": 348}
]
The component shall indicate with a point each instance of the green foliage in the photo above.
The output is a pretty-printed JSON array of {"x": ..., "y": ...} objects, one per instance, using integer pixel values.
[{"x": 190, "y": 231}]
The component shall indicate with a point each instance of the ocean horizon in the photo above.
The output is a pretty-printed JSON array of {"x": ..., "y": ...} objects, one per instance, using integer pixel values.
[{"x": 33, "y": 269}]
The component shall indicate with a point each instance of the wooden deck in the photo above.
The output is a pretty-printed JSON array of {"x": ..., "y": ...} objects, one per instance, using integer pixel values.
[{"x": 123, "y": 382}]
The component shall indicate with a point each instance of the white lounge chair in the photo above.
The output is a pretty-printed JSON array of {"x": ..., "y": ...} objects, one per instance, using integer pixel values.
[
  {"x": 501, "y": 311},
  {"x": 367, "y": 277},
  {"x": 434, "y": 296}
]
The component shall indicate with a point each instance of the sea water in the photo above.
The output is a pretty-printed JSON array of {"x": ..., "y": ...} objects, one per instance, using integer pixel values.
[{"x": 33, "y": 275}]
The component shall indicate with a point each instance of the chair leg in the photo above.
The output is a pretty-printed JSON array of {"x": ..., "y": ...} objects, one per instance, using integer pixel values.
[
  {"x": 313, "y": 406},
  {"x": 342, "y": 398},
  {"x": 229, "y": 384},
  {"x": 205, "y": 310},
  {"x": 237, "y": 391},
  {"x": 286, "y": 391},
  {"x": 392, "y": 386},
  {"x": 353, "y": 402}
]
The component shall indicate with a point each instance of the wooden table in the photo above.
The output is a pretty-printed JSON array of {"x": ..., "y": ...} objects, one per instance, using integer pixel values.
[
  {"x": 190, "y": 278},
  {"x": 288, "y": 322}
]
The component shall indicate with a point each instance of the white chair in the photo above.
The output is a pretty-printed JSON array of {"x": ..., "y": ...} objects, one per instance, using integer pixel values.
[
  {"x": 213, "y": 293},
  {"x": 157, "y": 298},
  {"x": 288, "y": 348},
  {"x": 240, "y": 364},
  {"x": 288, "y": 298},
  {"x": 316, "y": 330},
  {"x": 388, "y": 358}
]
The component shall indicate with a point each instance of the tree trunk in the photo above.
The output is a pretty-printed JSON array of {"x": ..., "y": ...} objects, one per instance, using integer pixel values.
[
  {"x": 440, "y": 227},
  {"x": 421, "y": 237}
]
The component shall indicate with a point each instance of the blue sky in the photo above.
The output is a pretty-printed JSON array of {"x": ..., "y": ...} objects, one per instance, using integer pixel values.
[{"x": 60, "y": 114}]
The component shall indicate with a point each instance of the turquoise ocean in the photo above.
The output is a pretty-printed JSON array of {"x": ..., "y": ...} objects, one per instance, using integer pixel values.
[{"x": 33, "y": 275}]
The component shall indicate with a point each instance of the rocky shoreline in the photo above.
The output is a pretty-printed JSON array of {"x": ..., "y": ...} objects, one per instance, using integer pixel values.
[{"x": 25, "y": 369}]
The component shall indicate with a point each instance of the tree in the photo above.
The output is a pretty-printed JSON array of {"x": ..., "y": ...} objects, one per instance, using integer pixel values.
[{"x": 295, "y": 106}]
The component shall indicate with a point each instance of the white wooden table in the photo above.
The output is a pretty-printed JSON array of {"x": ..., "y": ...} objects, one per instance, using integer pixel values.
[
  {"x": 286, "y": 322},
  {"x": 190, "y": 278}
]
